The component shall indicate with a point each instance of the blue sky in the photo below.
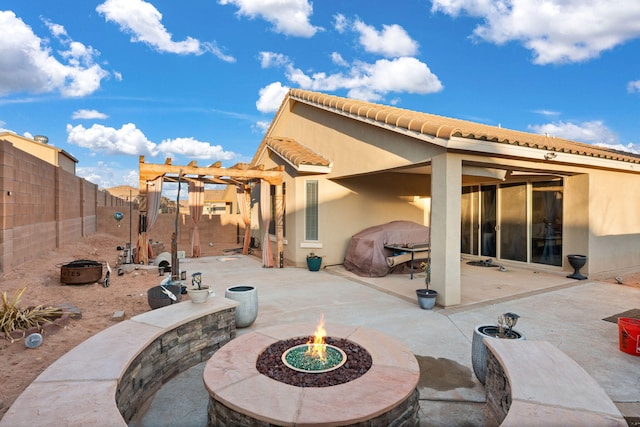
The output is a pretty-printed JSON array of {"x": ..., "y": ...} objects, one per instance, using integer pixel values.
[{"x": 110, "y": 80}]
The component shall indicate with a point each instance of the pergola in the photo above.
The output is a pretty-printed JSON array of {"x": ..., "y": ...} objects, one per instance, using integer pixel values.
[{"x": 241, "y": 175}]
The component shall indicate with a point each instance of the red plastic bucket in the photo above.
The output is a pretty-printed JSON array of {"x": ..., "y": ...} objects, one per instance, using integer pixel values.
[{"x": 629, "y": 335}]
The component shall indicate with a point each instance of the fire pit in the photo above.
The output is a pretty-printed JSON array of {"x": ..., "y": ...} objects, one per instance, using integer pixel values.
[
  {"x": 374, "y": 380},
  {"x": 81, "y": 272}
]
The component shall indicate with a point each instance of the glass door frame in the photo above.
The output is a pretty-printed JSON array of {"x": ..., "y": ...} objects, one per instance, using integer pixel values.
[{"x": 475, "y": 216}]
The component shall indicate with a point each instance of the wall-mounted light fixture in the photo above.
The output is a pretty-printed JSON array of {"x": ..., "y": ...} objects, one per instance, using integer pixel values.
[
  {"x": 550, "y": 156},
  {"x": 9, "y": 193}
]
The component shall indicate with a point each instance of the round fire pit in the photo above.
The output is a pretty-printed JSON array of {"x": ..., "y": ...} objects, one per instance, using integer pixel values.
[{"x": 384, "y": 393}]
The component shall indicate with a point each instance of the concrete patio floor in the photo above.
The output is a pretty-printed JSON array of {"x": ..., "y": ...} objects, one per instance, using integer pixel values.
[{"x": 565, "y": 312}]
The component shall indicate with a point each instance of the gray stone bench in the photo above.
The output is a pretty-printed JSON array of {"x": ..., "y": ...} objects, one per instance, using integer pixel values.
[
  {"x": 533, "y": 383},
  {"x": 104, "y": 380}
]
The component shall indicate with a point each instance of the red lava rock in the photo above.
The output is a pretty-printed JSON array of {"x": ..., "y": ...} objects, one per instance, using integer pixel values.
[{"x": 270, "y": 363}]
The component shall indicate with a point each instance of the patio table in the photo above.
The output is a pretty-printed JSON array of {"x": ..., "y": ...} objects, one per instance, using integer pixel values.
[{"x": 411, "y": 248}]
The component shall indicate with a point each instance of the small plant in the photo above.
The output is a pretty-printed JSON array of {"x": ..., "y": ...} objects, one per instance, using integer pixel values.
[
  {"x": 426, "y": 267},
  {"x": 506, "y": 322},
  {"x": 13, "y": 318}
]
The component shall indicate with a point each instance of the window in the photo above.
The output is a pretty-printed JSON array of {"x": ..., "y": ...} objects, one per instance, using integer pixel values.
[{"x": 311, "y": 211}]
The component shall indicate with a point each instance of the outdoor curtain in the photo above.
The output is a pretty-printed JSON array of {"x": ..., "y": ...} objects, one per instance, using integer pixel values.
[
  {"x": 265, "y": 213},
  {"x": 196, "y": 204},
  {"x": 245, "y": 209},
  {"x": 154, "y": 196}
]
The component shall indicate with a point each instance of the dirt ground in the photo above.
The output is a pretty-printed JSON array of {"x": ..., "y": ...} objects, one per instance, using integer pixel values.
[{"x": 41, "y": 278}]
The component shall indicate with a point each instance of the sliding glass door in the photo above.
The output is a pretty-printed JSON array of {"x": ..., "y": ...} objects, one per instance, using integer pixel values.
[
  {"x": 514, "y": 221},
  {"x": 546, "y": 229}
]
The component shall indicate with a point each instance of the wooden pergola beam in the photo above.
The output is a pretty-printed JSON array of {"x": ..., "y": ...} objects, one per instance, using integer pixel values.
[{"x": 239, "y": 174}]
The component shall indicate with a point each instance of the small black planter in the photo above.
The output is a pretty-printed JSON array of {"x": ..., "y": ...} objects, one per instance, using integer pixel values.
[
  {"x": 577, "y": 262},
  {"x": 426, "y": 298}
]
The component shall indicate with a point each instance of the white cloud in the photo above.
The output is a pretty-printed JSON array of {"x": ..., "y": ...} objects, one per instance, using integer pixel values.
[
  {"x": 634, "y": 86},
  {"x": 126, "y": 140},
  {"x": 272, "y": 59},
  {"x": 370, "y": 82},
  {"x": 337, "y": 59},
  {"x": 108, "y": 175},
  {"x": 556, "y": 31},
  {"x": 194, "y": 149},
  {"x": 340, "y": 23},
  {"x": 88, "y": 115},
  {"x": 271, "y": 97},
  {"x": 144, "y": 22},
  {"x": 262, "y": 126},
  {"x": 392, "y": 41},
  {"x": 593, "y": 132},
  {"x": 548, "y": 112},
  {"x": 27, "y": 63},
  {"x": 129, "y": 140},
  {"x": 289, "y": 17}
]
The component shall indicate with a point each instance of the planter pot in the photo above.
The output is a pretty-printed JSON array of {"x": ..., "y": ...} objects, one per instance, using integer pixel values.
[
  {"x": 247, "y": 311},
  {"x": 577, "y": 262},
  {"x": 479, "y": 351},
  {"x": 426, "y": 298},
  {"x": 314, "y": 263},
  {"x": 199, "y": 296}
]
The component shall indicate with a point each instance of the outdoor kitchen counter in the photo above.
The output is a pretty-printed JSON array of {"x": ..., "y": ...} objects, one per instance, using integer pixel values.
[
  {"x": 103, "y": 380},
  {"x": 232, "y": 379}
]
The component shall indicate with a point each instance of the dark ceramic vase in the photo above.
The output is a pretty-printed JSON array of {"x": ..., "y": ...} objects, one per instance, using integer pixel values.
[{"x": 577, "y": 262}]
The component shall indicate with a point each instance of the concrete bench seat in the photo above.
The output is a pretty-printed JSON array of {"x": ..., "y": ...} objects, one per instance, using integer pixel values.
[
  {"x": 104, "y": 380},
  {"x": 533, "y": 383}
]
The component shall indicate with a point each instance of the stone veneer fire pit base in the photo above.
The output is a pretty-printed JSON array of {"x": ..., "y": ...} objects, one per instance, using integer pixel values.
[{"x": 384, "y": 395}]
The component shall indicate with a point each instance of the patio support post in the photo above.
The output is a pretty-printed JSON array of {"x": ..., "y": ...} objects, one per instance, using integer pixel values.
[
  {"x": 446, "y": 193},
  {"x": 279, "y": 220}
]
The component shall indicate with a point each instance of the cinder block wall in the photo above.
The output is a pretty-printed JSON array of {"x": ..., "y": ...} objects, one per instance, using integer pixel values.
[
  {"x": 221, "y": 231},
  {"x": 42, "y": 207}
]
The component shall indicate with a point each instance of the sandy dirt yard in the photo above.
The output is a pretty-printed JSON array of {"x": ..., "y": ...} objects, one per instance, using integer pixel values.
[
  {"x": 128, "y": 292},
  {"x": 41, "y": 278}
]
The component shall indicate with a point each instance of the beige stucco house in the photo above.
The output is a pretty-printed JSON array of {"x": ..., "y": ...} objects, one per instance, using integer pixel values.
[
  {"x": 486, "y": 191},
  {"x": 39, "y": 147}
]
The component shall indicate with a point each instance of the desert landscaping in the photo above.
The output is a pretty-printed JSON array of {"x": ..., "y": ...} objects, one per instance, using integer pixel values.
[{"x": 96, "y": 303}]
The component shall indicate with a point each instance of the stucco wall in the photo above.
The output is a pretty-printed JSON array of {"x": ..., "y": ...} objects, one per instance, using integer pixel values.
[{"x": 614, "y": 223}]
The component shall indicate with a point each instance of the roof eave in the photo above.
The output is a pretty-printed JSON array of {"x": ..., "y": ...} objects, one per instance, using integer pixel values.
[{"x": 536, "y": 154}]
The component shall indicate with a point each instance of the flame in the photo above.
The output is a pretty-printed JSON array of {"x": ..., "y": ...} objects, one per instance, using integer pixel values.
[{"x": 317, "y": 346}]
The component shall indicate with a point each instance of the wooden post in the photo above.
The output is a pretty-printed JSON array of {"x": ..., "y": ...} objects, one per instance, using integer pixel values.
[{"x": 279, "y": 224}]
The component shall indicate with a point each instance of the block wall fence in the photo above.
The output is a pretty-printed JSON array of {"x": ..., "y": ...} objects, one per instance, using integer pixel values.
[{"x": 43, "y": 208}]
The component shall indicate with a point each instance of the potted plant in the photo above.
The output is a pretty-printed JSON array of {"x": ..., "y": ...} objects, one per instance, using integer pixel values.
[
  {"x": 426, "y": 296},
  {"x": 314, "y": 262},
  {"x": 502, "y": 330},
  {"x": 198, "y": 293}
]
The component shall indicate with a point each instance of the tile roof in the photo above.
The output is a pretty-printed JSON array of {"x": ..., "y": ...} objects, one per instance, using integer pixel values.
[
  {"x": 445, "y": 127},
  {"x": 296, "y": 153}
]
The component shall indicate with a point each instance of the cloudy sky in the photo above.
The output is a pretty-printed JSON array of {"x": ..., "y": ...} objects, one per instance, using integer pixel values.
[{"x": 110, "y": 80}]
